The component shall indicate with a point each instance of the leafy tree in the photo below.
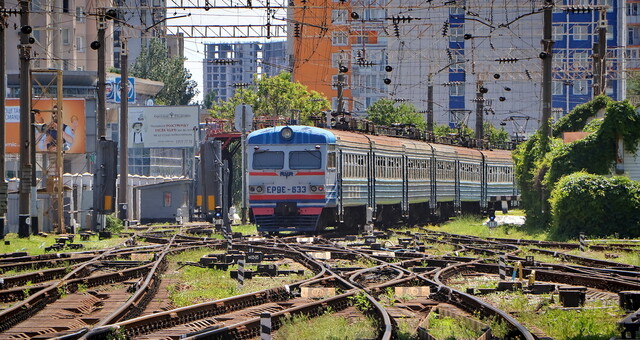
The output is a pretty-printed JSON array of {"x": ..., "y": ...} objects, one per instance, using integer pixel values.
[
  {"x": 445, "y": 130},
  {"x": 385, "y": 112},
  {"x": 209, "y": 99},
  {"x": 154, "y": 64},
  {"x": 274, "y": 96},
  {"x": 494, "y": 135}
]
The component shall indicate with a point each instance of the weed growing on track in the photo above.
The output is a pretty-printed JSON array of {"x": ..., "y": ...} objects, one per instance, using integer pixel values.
[
  {"x": 448, "y": 328},
  {"x": 597, "y": 320},
  {"x": 327, "y": 326}
]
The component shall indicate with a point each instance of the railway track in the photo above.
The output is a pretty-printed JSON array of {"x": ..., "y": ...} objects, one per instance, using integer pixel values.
[{"x": 389, "y": 278}]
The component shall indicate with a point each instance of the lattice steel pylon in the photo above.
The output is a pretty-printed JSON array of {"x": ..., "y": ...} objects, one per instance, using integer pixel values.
[{"x": 51, "y": 130}]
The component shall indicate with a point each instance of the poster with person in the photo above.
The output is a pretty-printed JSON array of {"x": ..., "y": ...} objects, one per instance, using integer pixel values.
[{"x": 45, "y": 125}]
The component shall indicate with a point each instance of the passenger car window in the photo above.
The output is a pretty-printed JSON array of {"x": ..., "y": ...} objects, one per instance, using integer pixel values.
[
  {"x": 268, "y": 160},
  {"x": 305, "y": 160}
]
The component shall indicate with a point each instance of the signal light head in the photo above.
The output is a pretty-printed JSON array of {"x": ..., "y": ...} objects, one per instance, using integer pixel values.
[
  {"x": 26, "y": 29},
  {"x": 95, "y": 45},
  {"x": 387, "y": 81}
]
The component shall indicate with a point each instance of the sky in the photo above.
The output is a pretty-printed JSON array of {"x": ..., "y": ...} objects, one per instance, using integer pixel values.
[{"x": 194, "y": 47}]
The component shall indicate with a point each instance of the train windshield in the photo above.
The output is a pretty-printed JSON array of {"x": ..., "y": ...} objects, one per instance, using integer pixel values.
[
  {"x": 268, "y": 160},
  {"x": 305, "y": 160}
]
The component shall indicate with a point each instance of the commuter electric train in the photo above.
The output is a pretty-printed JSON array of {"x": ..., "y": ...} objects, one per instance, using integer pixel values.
[{"x": 304, "y": 178}]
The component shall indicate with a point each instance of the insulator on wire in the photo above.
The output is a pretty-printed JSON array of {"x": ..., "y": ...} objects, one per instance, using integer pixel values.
[{"x": 507, "y": 60}]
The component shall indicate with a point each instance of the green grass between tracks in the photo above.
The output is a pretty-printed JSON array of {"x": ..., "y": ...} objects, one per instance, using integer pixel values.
[
  {"x": 448, "y": 328},
  {"x": 326, "y": 327},
  {"x": 35, "y": 245},
  {"x": 474, "y": 225},
  {"x": 196, "y": 285},
  {"x": 597, "y": 320}
]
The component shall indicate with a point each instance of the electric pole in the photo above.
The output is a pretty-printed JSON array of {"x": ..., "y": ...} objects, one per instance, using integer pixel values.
[
  {"x": 340, "y": 86},
  {"x": 102, "y": 74},
  {"x": 430, "y": 106},
  {"x": 599, "y": 55},
  {"x": 479, "y": 111},
  {"x": 3, "y": 91},
  {"x": 25, "y": 122},
  {"x": 547, "y": 62},
  {"x": 124, "y": 117}
]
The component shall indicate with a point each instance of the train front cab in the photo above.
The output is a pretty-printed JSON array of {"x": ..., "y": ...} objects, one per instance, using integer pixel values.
[{"x": 289, "y": 168}]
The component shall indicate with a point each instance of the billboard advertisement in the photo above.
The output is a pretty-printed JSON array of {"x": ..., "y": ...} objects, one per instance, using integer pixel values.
[
  {"x": 46, "y": 128},
  {"x": 163, "y": 126}
]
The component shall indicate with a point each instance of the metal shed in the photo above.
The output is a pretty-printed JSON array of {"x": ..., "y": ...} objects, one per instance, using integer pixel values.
[{"x": 163, "y": 202}]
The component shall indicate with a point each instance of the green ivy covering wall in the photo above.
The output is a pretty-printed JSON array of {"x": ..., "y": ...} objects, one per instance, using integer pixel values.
[{"x": 540, "y": 166}]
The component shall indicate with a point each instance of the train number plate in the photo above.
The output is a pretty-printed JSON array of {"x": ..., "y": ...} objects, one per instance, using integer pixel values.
[{"x": 281, "y": 189}]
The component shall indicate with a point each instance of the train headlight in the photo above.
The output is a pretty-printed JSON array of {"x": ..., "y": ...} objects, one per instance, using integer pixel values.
[
  {"x": 320, "y": 188},
  {"x": 314, "y": 188},
  {"x": 256, "y": 188},
  {"x": 286, "y": 133},
  {"x": 259, "y": 188}
]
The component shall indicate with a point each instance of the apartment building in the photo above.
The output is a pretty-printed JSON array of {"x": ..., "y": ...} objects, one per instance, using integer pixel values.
[
  {"x": 476, "y": 57},
  {"x": 229, "y": 65}
]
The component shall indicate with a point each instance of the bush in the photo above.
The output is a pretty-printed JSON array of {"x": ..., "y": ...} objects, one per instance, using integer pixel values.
[
  {"x": 114, "y": 224},
  {"x": 596, "y": 205}
]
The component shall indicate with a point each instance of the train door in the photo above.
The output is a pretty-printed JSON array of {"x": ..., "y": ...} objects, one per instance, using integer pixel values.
[
  {"x": 405, "y": 186},
  {"x": 457, "y": 201},
  {"x": 339, "y": 200},
  {"x": 371, "y": 183}
]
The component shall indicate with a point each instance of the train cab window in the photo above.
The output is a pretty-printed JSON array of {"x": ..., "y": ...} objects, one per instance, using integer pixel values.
[
  {"x": 268, "y": 160},
  {"x": 308, "y": 159},
  {"x": 331, "y": 160}
]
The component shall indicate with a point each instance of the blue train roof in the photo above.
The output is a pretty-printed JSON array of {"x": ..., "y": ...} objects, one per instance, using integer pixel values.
[{"x": 301, "y": 135}]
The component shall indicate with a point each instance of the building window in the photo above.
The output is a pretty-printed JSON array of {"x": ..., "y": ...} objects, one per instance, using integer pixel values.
[
  {"x": 558, "y": 32},
  {"x": 609, "y": 32},
  {"x": 633, "y": 9},
  {"x": 581, "y": 59},
  {"x": 456, "y": 89},
  {"x": 80, "y": 44},
  {"x": 456, "y": 10},
  {"x": 339, "y": 39},
  {"x": 456, "y": 34},
  {"x": 339, "y": 58},
  {"x": 66, "y": 36},
  {"x": 65, "y": 6},
  {"x": 339, "y": 16},
  {"x": 581, "y": 87},
  {"x": 80, "y": 15},
  {"x": 362, "y": 38},
  {"x": 580, "y": 32},
  {"x": 557, "y": 87},
  {"x": 458, "y": 61}
]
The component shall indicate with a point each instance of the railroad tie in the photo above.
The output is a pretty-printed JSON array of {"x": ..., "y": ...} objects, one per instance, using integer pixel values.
[
  {"x": 265, "y": 326},
  {"x": 502, "y": 268}
]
